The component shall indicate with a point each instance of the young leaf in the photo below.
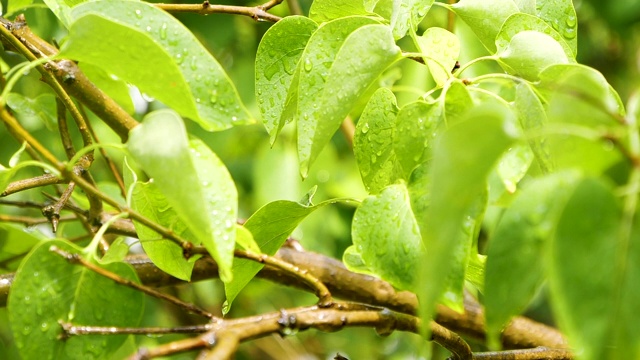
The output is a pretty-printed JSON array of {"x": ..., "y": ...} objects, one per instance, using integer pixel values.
[
  {"x": 526, "y": 6},
  {"x": 461, "y": 163},
  {"x": 414, "y": 133},
  {"x": 350, "y": 49},
  {"x": 530, "y": 52},
  {"x": 442, "y": 49},
  {"x": 514, "y": 164},
  {"x": 407, "y": 15},
  {"x": 154, "y": 51},
  {"x": 193, "y": 180},
  {"x": 485, "y": 17},
  {"x": 532, "y": 117},
  {"x": 270, "y": 226},
  {"x": 117, "y": 89},
  {"x": 457, "y": 101},
  {"x": 561, "y": 15},
  {"x": 47, "y": 289},
  {"x": 40, "y": 109},
  {"x": 514, "y": 268},
  {"x": 322, "y": 11},
  {"x": 386, "y": 239},
  {"x": 519, "y": 22},
  {"x": 373, "y": 142},
  {"x": 276, "y": 61},
  {"x": 594, "y": 295},
  {"x": 15, "y": 243},
  {"x": 147, "y": 199}
]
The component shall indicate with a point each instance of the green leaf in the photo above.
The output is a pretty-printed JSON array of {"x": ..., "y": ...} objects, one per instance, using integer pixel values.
[
  {"x": 457, "y": 101},
  {"x": 118, "y": 250},
  {"x": 322, "y": 11},
  {"x": 530, "y": 52},
  {"x": 373, "y": 142},
  {"x": 147, "y": 199},
  {"x": 485, "y": 17},
  {"x": 514, "y": 270},
  {"x": 270, "y": 226},
  {"x": 442, "y": 49},
  {"x": 532, "y": 118},
  {"x": 193, "y": 180},
  {"x": 514, "y": 164},
  {"x": 47, "y": 289},
  {"x": 407, "y": 15},
  {"x": 117, "y": 89},
  {"x": 41, "y": 108},
  {"x": 16, "y": 242},
  {"x": 526, "y": 6},
  {"x": 462, "y": 160},
  {"x": 61, "y": 9},
  {"x": 386, "y": 238},
  {"x": 561, "y": 15},
  {"x": 414, "y": 133},
  {"x": 593, "y": 270},
  {"x": 349, "y": 48},
  {"x": 519, "y": 22},
  {"x": 276, "y": 62},
  {"x": 16, "y": 5},
  {"x": 154, "y": 51}
]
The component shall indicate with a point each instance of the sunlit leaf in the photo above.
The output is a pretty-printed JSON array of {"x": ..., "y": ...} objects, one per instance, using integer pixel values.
[
  {"x": 442, "y": 49},
  {"x": 561, "y": 15},
  {"x": 47, "y": 289},
  {"x": 386, "y": 238},
  {"x": 41, "y": 108},
  {"x": 154, "y": 51},
  {"x": 519, "y": 22},
  {"x": 352, "y": 48},
  {"x": 532, "y": 117},
  {"x": 373, "y": 142},
  {"x": 407, "y": 15},
  {"x": 15, "y": 243},
  {"x": 514, "y": 267},
  {"x": 326, "y": 10},
  {"x": 194, "y": 181},
  {"x": 462, "y": 160},
  {"x": 276, "y": 63},
  {"x": 115, "y": 88},
  {"x": 530, "y": 52},
  {"x": 594, "y": 295},
  {"x": 485, "y": 17}
]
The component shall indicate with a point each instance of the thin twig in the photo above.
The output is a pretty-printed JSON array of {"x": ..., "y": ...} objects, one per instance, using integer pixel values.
[
  {"x": 539, "y": 353},
  {"x": 321, "y": 291},
  {"x": 30, "y": 221},
  {"x": 34, "y": 182},
  {"x": 52, "y": 211},
  {"x": 257, "y": 13},
  {"x": 74, "y": 330},
  {"x": 63, "y": 129},
  {"x": 77, "y": 259}
]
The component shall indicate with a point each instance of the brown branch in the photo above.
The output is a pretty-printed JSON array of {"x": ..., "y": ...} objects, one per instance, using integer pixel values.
[
  {"x": 74, "y": 330},
  {"x": 348, "y": 129},
  {"x": 34, "y": 182},
  {"x": 52, "y": 212},
  {"x": 66, "y": 75},
  {"x": 539, "y": 353},
  {"x": 63, "y": 129},
  {"x": 321, "y": 291},
  {"x": 257, "y": 13},
  {"x": 77, "y": 259},
  {"x": 29, "y": 221}
]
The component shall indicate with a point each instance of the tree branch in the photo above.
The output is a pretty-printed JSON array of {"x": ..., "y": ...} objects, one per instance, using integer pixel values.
[{"x": 257, "y": 13}]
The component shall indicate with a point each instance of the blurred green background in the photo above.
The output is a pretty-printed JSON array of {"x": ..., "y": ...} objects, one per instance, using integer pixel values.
[{"x": 609, "y": 40}]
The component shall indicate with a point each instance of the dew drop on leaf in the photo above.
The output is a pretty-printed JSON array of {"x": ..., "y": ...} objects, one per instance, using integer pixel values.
[
  {"x": 308, "y": 66},
  {"x": 163, "y": 31},
  {"x": 138, "y": 14}
]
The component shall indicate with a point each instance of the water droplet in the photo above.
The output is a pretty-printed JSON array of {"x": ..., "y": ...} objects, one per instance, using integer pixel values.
[
  {"x": 234, "y": 118},
  {"x": 307, "y": 65},
  {"x": 205, "y": 183},
  {"x": 270, "y": 71},
  {"x": 148, "y": 28},
  {"x": 139, "y": 14},
  {"x": 571, "y": 21},
  {"x": 163, "y": 31},
  {"x": 44, "y": 326},
  {"x": 365, "y": 128},
  {"x": 374, "y": 159},
  {"x": 179, "y": 58},
  {"x": 198, "y": 100},
  {"x": 194, "y": 63},
  {"x": 569, "y": 33},
  {"x": 26, "y": 330},
  {"x": 213, "y": 98}
]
